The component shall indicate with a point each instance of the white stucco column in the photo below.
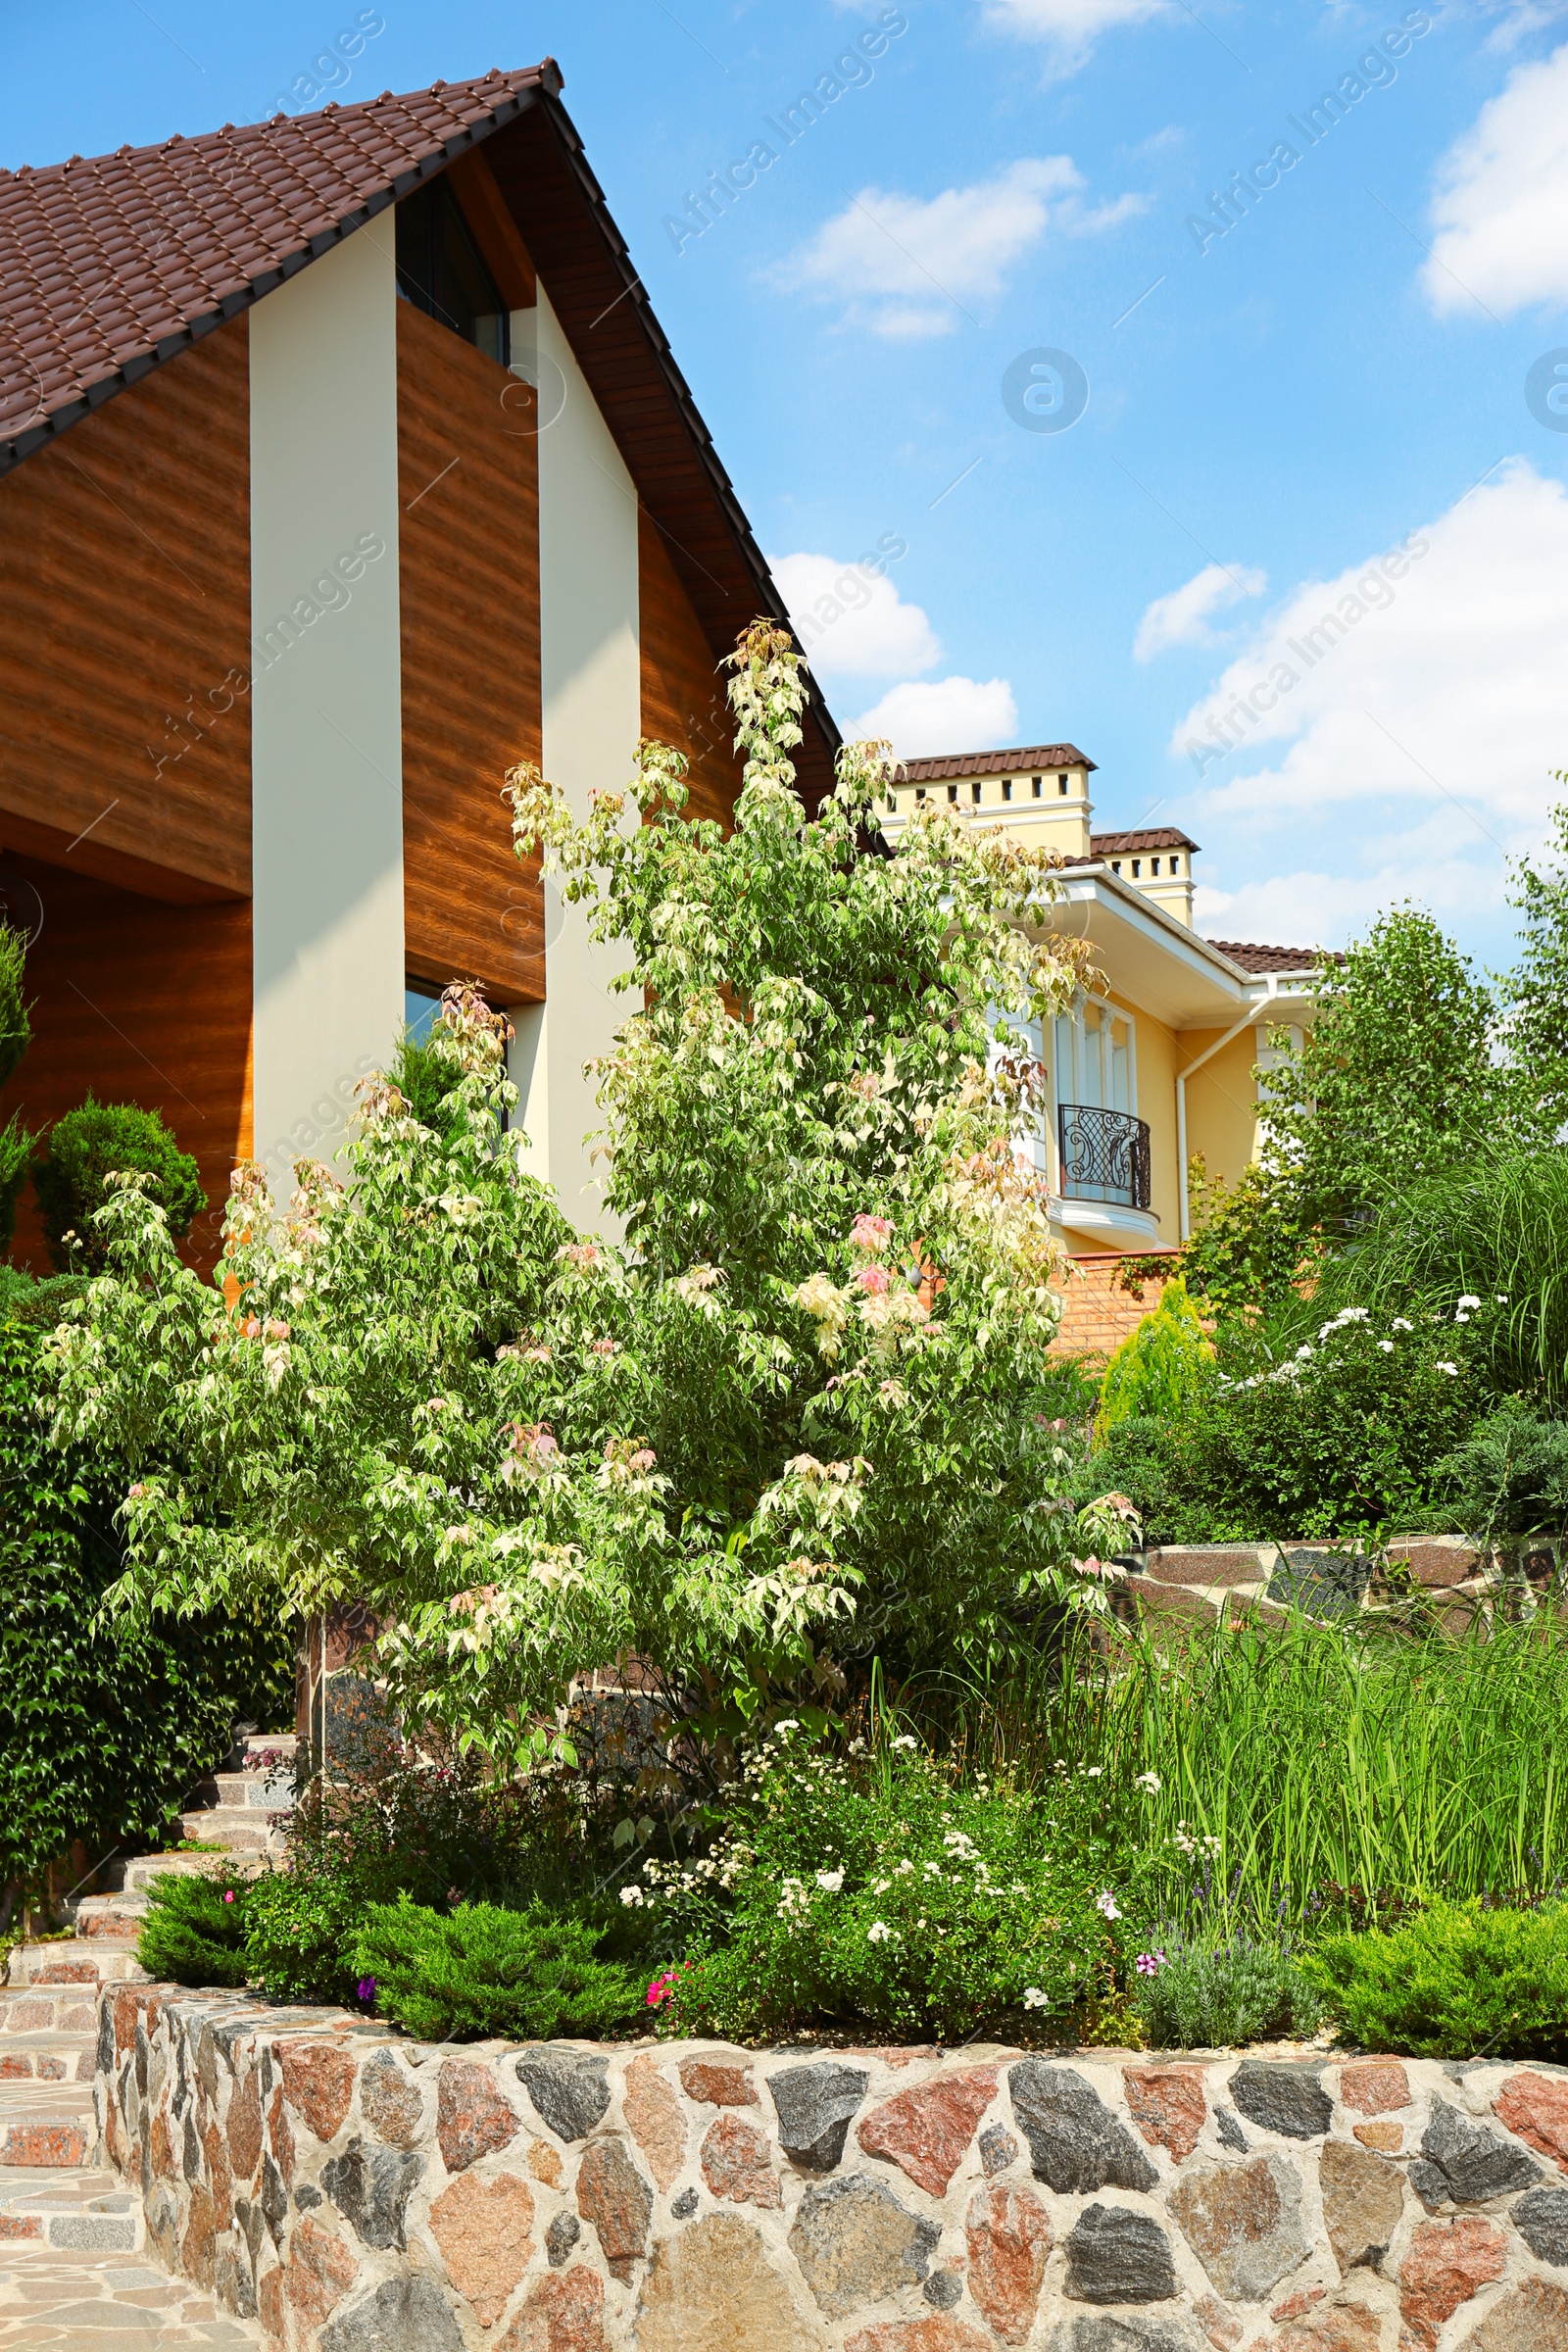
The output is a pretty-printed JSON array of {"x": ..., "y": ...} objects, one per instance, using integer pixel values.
[
  {"x": 326, "y": 734},
  {"x": 592, "y": 697}
]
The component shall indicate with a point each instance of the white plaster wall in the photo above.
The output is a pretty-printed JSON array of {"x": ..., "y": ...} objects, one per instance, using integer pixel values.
[
  {"x": 592, "y": 696},
  {"x": 326, "y": 735}
]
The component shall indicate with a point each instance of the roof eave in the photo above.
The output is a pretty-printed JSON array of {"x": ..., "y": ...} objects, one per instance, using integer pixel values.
[{"x": 140, "y": 364}]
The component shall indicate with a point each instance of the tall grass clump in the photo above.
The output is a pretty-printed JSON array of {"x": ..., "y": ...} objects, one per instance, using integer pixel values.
[
  {"x": 1307, "y": 1770},
  {"x": 1492, "y": 1224}
]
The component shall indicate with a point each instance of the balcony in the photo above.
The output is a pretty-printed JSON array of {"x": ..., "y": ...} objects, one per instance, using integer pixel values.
[{"x": 1104, "y": 1155}]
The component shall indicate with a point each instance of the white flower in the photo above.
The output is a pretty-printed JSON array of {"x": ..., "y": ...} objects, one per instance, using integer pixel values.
[
  {"x": 1453, "y": 1370},
  {"x": 1148, "y": 1781},
  {"x": 1469, "y": 1299},
  {"x": 1462, "y": 1317},
  {"x": 1387, "y": 1346},
  {"x": 1303, "y": 1352},
  {"x": 831, "y": 1879},
  {"x": 788, "y": 1723},
  {"x": 1502, "y": 1297},
  {"x": 904, "y": 1869},
  {"x": 1096, "y": 1771},
  {"x": 1399, "y": 1324},
  {"x": 905, "y": 1740},
  {"x": 878, "y": 1932},
  {"x": 632, "y": 1895},
  {"x": 1106, "y": 1904},
  {"x": 1034, "y": 1999}
]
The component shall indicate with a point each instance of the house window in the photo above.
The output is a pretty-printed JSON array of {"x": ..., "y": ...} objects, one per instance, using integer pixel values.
[
  {"x": 974, "y": 794},
  {"x": 1175, "y": 865},
  {"x": 420, "y": 1005},
  {"x": 1153, "y": 865},
  {"x": 1137, "y": 866},
  {"x": 952, "y": 792},
  {"x": 439, "y": 270},
  {"x": 1062, "y": 787},
  {"x": 893, "y": 801},
  {"x": 1038, "y": 783},
  {"x": 919, "y": 792},
  {"x": 1116, "y": 865},
  {"x": 1006, "y": 788}
]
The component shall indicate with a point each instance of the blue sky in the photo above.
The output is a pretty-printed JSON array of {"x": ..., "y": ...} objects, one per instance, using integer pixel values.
[{"x": 1321, "y": 410}]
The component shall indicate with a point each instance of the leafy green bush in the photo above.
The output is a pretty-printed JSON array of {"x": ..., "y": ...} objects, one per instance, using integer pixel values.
[
  {"x": 1460, "y": 1980},
  {"x": 1159, "y": 1365},
  {"x": 1198, "y": 1997},
  {"x": 194, "y": 1930},
  {"x": 1333, "y": 1433},
  {"x": 106, "y": 1722},
  {"x": 524, "y": 1975},
  {"x": 301, "y": 1924},
  {"x": 85, "y": 1149},
  {"x": 873, "y": 1891},
  {"x": 16, "y": 1035}
]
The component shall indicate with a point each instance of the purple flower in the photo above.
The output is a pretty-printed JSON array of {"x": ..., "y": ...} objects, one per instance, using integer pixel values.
[
  {"x": 366, "y": 1988},
  {"x": 1149, "y": 1964}
]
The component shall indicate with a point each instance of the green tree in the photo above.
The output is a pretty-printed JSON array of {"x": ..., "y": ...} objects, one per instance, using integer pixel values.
[
  {"x": 1393, "y": 1078},
  {"x": 792, "y": 1411}
]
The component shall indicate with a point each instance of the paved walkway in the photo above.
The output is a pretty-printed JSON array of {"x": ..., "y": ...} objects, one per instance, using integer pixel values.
[{"x": 82, "y": 2298}]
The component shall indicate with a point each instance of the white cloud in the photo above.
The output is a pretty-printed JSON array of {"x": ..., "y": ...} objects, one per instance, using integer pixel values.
[
  {"x": 1071, "y": 28},
  {"x": 904, "y": 265},
  {"x": 1501, "y": 209},
  {"x": 1411, "y": 723},
  {"x": 851, "y": 623},
  {"x": 950, "y": 715},
  {"x": 1180, "y": 618}
]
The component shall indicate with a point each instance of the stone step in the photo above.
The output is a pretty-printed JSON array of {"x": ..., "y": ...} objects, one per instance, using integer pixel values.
[
  {"x": 236, "y": 1829},
  {"x": 95, "y": 2214},
  {"x": 143, "y": 1870},
  {"x": 47, "y": 2124},
  {"x": 97, "y": 1915},
  {"x": 46, "y": 2058},
  {"x": 266, "y": 1792},
  {"x": 66, "y": 1961},
  {"x": 72, "y": 2011}
]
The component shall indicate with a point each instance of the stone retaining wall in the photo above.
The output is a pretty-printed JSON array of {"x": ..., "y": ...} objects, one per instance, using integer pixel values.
[{"x": 363, "y": 2193}]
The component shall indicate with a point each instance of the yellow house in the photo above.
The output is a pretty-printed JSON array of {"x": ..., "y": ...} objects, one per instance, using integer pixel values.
[{"x": 1155, "y": 1063}]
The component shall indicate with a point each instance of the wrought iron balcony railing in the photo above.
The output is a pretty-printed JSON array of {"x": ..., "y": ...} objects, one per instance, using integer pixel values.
[{"x": 1104, "y": 1155}]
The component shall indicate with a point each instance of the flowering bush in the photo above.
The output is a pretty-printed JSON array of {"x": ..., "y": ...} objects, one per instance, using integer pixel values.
[
  {"x": 873, "y": 1889},
  {"x": 1338, "y": 1432}
]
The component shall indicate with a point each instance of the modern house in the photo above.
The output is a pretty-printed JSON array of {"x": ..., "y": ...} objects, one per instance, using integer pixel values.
[
  {"x": 343, "y": 464},
  {"x": 1155, "y": 1065}
]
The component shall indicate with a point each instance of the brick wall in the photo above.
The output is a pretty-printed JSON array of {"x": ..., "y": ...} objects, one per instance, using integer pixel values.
[{"x": 1098, "y": 1314}]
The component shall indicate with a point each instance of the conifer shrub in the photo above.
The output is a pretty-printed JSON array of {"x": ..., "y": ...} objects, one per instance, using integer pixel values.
[
  {"x": 88, "y": 1147},
  {"x": 526, "y": 1976},
  {"x": 194, "y": 1931},
  {"x": 1459, "y": 1980}
]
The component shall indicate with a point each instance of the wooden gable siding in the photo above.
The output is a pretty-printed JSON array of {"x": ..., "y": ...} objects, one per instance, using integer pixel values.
[
  {"x": 539, "y": 167},
  {"x": 469, "y": 487},
  {"x": 141, "y": 1002},
  {"x": 683, "y": 696},
  {"x": 125, "y": 633}
]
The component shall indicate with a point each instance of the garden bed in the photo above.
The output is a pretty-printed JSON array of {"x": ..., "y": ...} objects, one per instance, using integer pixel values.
[{"x": 361, "y": 2192}]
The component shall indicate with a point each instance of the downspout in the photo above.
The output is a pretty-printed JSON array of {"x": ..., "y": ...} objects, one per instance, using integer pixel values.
[{"x": 1246, "y": 1022}]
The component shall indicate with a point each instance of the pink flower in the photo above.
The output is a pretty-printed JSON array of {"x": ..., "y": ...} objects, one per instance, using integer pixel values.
[
  {"x": 663, "y": 1989},
  {"x": 605, "y": 1347},
  {"x": 229, "y": 1896},
  {"x": 871, "y": 1234},
  {"x": 1149, "y": 1964},
  {"x": 875, "y": 1279}
]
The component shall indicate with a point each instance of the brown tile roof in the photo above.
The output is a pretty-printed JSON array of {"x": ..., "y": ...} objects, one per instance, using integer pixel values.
[
  {"x": 112, "y": 265},
  {"x": 1253, "y": 958},
  {"x": 991, "y": 763},
  {"x": 1158, "y": 837}
]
